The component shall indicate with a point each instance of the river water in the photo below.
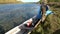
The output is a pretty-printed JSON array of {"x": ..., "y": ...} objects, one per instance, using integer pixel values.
[{"x": 12, "y": 15}]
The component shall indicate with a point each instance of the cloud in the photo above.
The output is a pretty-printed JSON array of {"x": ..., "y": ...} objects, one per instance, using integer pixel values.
[{"x": 29, "y": 0}]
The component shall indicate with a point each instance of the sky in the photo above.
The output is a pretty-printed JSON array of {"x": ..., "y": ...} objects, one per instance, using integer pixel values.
[{"x": 29, "y": 0}]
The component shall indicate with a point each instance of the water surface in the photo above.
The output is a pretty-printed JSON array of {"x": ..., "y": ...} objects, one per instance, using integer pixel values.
[{"x": 12, "y": 15}]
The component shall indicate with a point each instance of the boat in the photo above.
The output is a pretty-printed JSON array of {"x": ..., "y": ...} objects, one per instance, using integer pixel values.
[{"x": 22, "y": 29}]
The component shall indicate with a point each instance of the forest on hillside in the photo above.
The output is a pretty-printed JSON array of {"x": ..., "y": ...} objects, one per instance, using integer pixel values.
[{"x": 9, "y": 1}]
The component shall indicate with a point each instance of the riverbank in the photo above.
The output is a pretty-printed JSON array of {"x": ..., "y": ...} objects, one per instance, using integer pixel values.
[{"x": 51, "y": 24}]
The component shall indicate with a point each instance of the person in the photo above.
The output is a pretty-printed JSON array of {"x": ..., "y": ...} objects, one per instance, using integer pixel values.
[
  {"x": 35, "y": 19},
  {"x": 42, "y": 10},
  {"x": 41, "y": 14},
  {"x": 45, "y": 8}
]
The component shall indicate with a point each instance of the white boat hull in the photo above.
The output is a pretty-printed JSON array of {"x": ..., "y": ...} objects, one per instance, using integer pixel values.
[{"x": 19, "y": 30}]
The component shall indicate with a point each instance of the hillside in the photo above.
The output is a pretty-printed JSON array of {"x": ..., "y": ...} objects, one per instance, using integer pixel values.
[
  {"x": 9, "y": 1},
  {"x": 51, "y": 24}
]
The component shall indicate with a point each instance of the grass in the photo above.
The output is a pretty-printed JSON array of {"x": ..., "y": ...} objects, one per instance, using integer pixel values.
[{"x": 51, "y": 24}]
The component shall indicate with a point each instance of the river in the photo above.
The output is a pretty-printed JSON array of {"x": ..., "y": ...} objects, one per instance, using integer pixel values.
[{"x": 12, "y": 15}]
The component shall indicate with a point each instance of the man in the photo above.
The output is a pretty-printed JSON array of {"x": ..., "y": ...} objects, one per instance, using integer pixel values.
[
  {"x": 41, "y": 14},
  {"x": 45, "y": 8}
]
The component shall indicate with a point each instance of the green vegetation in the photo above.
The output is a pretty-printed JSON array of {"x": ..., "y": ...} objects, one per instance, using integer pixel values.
[
  {"x": 54, "y": 0},
  {"x": 52, "y": 22}
]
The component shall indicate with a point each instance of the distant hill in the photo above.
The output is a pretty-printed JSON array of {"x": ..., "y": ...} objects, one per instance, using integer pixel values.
[{"x": 9, "y": 1}]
